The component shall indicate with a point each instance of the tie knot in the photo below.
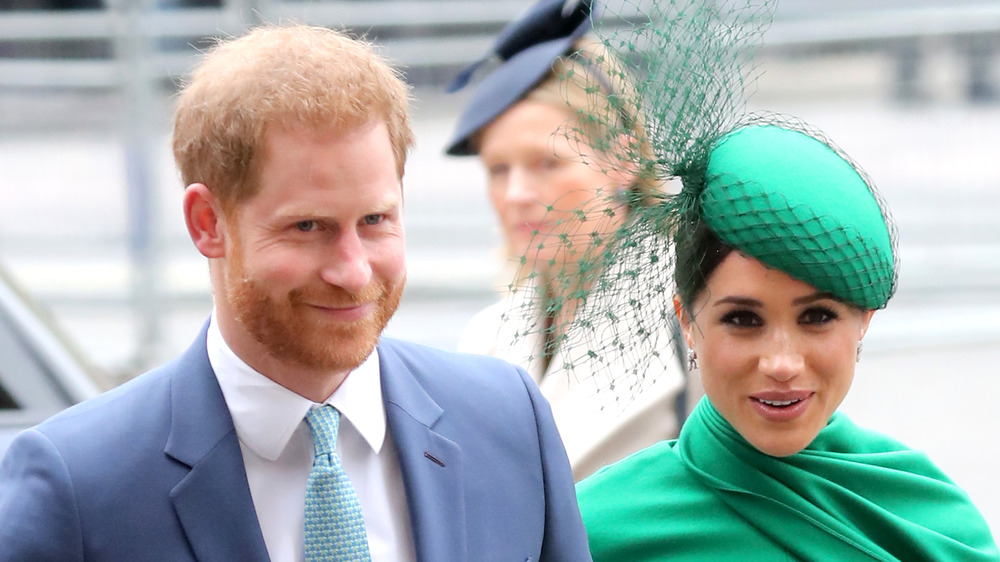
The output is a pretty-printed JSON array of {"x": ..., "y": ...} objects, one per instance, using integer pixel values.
[{"x": 323, "y": 422}]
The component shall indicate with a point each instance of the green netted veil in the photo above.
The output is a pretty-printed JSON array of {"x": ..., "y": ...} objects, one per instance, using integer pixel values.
[
  {"x": 767, "y": 185},
  {"x": 791, "y": 200}
]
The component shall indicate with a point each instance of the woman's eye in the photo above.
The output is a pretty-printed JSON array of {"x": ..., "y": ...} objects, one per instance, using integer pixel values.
[
  {"x": 817, "y": 316},
  {"x": 549, "y": 163},
  {"x": 743, "y": 319},
  {"x": 306, "y": 226},
  {"x": 497, "y": 170},
  {"x": 371, "y": 220}
]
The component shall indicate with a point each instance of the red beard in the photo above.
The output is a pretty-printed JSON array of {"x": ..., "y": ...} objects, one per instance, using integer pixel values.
[{"x": 292, "y": 330}]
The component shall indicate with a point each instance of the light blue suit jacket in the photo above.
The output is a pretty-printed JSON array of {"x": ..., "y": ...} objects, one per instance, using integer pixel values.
[{"x": 152, "y": 470}]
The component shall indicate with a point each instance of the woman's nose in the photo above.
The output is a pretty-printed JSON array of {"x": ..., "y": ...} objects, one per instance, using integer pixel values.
[
  {"x": 782, "y": 360},
  {"x": 520, "y": 188}
]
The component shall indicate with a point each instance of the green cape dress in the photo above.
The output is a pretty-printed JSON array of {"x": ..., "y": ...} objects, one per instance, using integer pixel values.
[{"x": 852, "y": 494}]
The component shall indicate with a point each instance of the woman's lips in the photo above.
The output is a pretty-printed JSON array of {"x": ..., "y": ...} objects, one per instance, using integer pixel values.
[
  {"x": 781, "y": 406},
  {"x": 528, "y": 227}
]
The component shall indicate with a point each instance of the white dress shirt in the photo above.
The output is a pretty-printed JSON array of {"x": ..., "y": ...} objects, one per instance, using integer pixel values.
[{"x": 278, "y": 453}]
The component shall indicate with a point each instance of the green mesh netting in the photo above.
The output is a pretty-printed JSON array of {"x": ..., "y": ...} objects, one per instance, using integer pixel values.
[
  {"x": 796, "y": 204},
  {"x": 667, "y": 86}
]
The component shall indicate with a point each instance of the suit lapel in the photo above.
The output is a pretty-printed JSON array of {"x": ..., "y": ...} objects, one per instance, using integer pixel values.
[
  {"x": 431, "y": 464},
  {"x": 213, "y": 501}
]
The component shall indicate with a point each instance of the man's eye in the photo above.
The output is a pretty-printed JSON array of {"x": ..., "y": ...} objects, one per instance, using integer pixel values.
[
  {"x": 373, "y": 219},
  {"x": 306, "y": 226},
  {"x": 743, "y": 319}
]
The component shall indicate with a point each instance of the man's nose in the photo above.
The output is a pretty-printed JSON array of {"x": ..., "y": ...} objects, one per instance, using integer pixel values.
[{"x": 348, "y": 265}]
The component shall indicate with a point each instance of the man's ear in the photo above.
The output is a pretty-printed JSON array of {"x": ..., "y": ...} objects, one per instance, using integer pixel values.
[{"x": 206, "y": 223}]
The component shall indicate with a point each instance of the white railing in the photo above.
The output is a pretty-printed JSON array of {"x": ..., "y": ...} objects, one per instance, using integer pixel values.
[
  {"x": 414, "y": 34},
  {"x": 418, "y": 33}
]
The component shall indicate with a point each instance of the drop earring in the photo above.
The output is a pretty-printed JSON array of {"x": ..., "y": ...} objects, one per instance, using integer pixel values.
[
  {"x": 692, "y": 359},
  {"x": 622, "y": 194},
  {"x": 857, "y": 358}
]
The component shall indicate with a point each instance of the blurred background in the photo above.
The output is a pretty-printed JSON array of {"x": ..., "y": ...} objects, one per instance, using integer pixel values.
[{"x": 90, "y": 216}]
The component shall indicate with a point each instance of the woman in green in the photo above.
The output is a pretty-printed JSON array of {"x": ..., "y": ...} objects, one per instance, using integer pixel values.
[
  {"x": 783, "y": 251},
  {"x": 780, "y": 251}
]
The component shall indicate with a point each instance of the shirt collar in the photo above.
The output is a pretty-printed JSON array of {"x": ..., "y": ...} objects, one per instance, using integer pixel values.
[{"x": 266, "y": 414}]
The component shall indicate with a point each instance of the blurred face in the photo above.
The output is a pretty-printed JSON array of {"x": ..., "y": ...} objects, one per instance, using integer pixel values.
[
  {"x": 776, "y": 356},
  {"x": 538, "y": 176},
  {"x": 315, "y": 264}
]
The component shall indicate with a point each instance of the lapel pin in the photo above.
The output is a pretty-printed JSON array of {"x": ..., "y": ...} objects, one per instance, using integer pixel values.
[{"x": 434, "y": 459}]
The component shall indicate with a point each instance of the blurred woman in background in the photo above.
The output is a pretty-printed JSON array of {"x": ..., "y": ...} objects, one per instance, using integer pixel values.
[{"x": 560, "y": 185}]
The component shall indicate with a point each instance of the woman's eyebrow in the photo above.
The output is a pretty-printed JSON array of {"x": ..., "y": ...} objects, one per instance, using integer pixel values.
[{"x": 739, "y": 301}]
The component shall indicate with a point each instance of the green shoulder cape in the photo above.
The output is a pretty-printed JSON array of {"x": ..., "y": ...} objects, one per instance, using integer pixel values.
[{"x": 851, "y": 495}]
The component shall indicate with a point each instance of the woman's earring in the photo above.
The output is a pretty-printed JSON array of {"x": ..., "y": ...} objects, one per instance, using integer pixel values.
[
  {"x": 857, "y": 358},
  {"x": 623, "y": 194},
  {"x": 692, "y": 360}
]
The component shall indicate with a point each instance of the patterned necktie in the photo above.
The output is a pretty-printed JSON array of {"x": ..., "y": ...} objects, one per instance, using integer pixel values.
[{"x": 335, "y": 528}]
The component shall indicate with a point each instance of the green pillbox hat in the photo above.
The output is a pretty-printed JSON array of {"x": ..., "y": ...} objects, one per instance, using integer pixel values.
[{"x": 795, "y": 204}]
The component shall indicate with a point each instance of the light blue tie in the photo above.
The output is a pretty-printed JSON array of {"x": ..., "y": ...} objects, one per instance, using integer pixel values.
[{"x": 335, "y": 528}]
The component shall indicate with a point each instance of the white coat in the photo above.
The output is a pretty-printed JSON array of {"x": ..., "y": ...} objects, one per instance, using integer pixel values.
[{"x": 599, "y": 422}]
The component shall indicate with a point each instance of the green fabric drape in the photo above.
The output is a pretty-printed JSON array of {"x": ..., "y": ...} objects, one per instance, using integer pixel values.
[{"x": 851, "y": 495}]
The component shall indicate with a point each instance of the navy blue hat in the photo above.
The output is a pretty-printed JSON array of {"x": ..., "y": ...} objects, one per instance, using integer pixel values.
[{"x": 527, "y": 46}]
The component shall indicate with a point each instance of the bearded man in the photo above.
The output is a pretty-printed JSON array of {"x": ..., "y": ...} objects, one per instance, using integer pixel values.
[{"x": 290, "y": 430}]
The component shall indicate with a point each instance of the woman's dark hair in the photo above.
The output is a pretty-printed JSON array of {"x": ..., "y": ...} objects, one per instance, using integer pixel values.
[{"x": 698, "y": 251}]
